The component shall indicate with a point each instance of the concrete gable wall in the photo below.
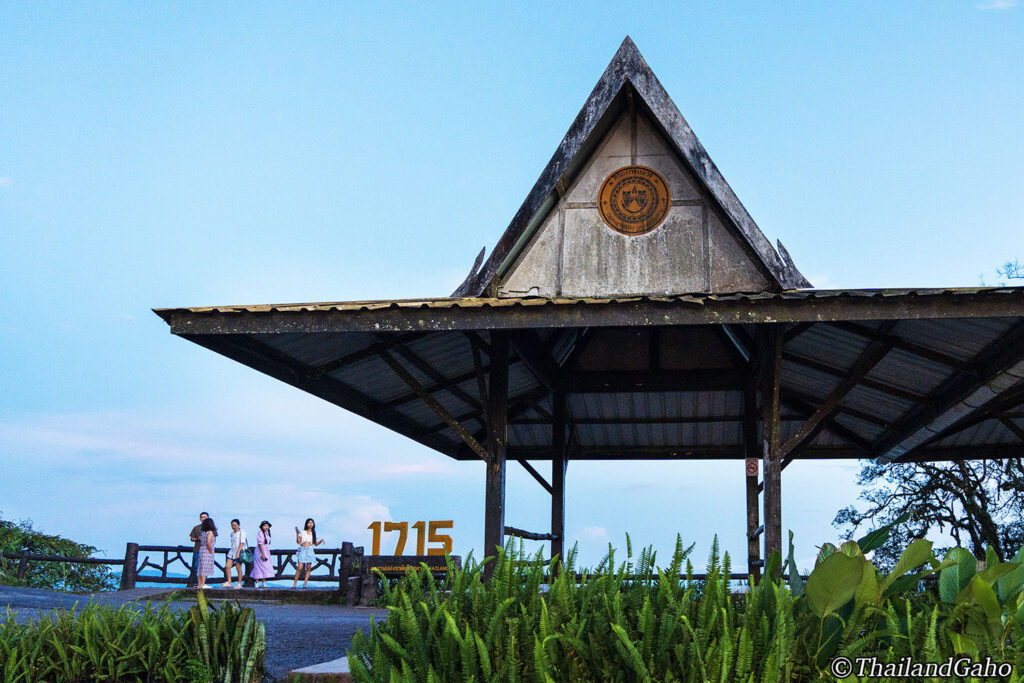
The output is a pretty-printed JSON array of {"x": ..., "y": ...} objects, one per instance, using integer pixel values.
[{"x": 575, "y": 254}]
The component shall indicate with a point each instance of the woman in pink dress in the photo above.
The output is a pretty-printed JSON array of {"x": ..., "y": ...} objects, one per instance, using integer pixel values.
[
  {"x": 205, "y": 564},
  {"x": 262, "y": 568}
]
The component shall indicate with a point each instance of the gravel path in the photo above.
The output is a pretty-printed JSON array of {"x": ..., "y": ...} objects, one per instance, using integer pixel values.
[{"x": 297, "y": 635}]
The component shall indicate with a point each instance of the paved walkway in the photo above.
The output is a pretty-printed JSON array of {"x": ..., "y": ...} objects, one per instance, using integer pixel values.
[{"x": 297, "y": 635}]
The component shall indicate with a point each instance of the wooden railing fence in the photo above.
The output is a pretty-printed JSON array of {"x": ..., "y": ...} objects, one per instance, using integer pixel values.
[{"x": 346, "y": 566}]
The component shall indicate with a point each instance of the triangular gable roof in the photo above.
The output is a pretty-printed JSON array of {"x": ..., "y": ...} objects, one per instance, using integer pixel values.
[{"x": 627, "y": 76}]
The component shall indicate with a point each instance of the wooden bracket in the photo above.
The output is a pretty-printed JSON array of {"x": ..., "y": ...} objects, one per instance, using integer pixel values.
[{"x": 536, "y": 475}]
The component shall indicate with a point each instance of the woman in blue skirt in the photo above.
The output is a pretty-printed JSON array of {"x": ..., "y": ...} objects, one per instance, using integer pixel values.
[{"x": 306, "y": 538}]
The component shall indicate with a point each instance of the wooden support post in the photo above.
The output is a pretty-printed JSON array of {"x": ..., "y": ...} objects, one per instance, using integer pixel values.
[
  {"x": 771, "y": 379},
  {"x": 753, "y": 469},
  {"x": 345, "y": 566},
  {"x": 497, "y": 442},
  {"x": 355, "y": 582},
  {"x": 368, "y": 583},
  {"x": 559, "y": 462},
  {"x": 23, "y": 565},
  {"x": 128, "y": 569}
]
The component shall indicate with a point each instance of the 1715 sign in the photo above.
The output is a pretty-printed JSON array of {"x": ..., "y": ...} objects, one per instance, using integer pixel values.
[{"x": 425, "y": 532}]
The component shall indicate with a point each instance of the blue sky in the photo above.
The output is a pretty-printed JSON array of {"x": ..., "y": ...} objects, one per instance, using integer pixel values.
[{"x": 195, "y": 154}]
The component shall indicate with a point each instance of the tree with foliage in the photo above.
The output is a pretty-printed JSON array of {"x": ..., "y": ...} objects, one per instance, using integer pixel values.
[
  {"x": 21, "y": 537},
  {"x": 978, "y": 503}
]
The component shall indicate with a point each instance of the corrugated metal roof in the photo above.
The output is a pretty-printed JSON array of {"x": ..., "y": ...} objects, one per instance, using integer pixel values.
[
  {"x": 698, "y": 299},
  {"x": 928, "y": 355}
]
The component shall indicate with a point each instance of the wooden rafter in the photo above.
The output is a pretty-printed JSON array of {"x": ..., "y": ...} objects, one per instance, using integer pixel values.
[
  {"x": 534, "y": 355},
  {"x": 871, "y": 356},
  {"x": 996, "y": 409},
  {"x": 880, "y": 387},
  {"x": 880, "y": 334},
  {"x": 1012, "y": 426},
  {"x": 1000, "y": 368},
  {"x": 369, "y": 351},
  {"x": 432, "y": 403},
  {"x": 806, "y": 400},
  {"x": 438, "y": 379}
]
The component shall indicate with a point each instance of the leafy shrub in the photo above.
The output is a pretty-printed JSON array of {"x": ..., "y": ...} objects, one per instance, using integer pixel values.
[
  {"x": 67, "y": 576},
  {"x": 95, "y": 643},
  {"x": 633, "y": 622},
  {"x": 230, "y": 643},
  {"x": 133, "y": 643}
]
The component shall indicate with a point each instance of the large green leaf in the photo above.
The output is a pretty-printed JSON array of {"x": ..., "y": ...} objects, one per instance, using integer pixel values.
[
  {"x": 833, "y": 583},
  {"x": 955, "y": 578},
  {"x": 825, "y": 550},
  {"x": 1009, "y": 586},
  {"x": 981, "y": 594},
  {"x": 868, "y": 590},
  {"x": 876, "y": 538},
  {"x": 916, "y": 554},
  {"x": 963, "y": 645},
  {"x": 994, "y": 572},
  {"x": 851, "y": 548}
]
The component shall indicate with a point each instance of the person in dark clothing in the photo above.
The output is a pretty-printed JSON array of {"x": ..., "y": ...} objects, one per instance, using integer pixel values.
[{"x": 194, "y": 536}]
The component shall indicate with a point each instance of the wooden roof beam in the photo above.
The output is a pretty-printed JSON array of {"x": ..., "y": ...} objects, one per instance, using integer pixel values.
[
  {"x": 871, "y": 356},
  {"x": 435, "y": 376},
  {"x": 947, "y": 453},
  {"x": 992, "y": 411},
  {"x": 445, "y": 416},
  {"x": 904, "y": 345},
  {"x": 385, "y": 342},
  {"x": 844, "y": 410},
  {"x": 534, "y": 355},
  {"x": 1000, "y": 368},
  {"x": 660, "y": 380},
  {"x": 880, "y": 387},
  {"x": 1012, "y": 426}
]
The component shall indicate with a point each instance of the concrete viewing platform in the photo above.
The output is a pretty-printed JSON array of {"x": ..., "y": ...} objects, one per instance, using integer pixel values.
[
  {"x": 334, "y": 671},
  {"x": 311, "y": 595}
]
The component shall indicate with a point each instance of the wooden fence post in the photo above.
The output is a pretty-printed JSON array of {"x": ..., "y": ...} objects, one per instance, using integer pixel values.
[
  {"x": 368, "y": 583},
  {"x": 354, "y": 586},
  {"x": 345, "y": 567},
  {"x": 247, "y": 579},
  {"x": 128, "y": 569},
  {"x": 23, "y": 565}
]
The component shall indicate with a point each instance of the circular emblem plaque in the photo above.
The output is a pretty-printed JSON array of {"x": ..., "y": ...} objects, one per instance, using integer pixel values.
[{"x": 634, "y": 200}]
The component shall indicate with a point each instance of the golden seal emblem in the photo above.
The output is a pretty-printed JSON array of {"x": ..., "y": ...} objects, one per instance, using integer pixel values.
[{"x": 634, "y": 200}]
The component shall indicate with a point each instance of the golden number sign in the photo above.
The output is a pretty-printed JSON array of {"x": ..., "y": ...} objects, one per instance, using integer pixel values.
[
  {"x": 634, "y": 200},
  {"x": 425, "y": 531}
]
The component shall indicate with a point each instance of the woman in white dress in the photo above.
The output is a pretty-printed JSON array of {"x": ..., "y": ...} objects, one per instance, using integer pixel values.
[
  {"x": 305, "y": 557},
  {"x": 238, "y": 546}
]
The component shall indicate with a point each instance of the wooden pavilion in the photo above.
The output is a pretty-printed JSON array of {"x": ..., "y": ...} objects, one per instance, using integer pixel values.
[{"x": 633, "y": 310}]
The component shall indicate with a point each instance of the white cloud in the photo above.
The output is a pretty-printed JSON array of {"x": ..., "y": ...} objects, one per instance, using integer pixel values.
[
  {"x": 594, "y": 533},
  {"x": 4, "y": 181},
  {"x": 997, "y": 5}
]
